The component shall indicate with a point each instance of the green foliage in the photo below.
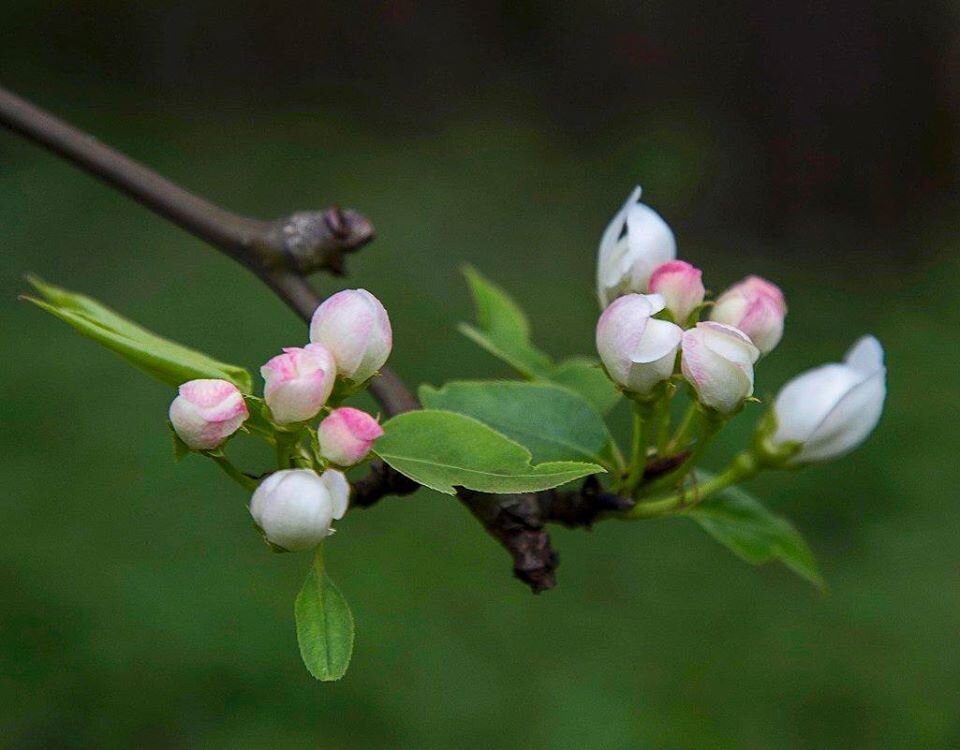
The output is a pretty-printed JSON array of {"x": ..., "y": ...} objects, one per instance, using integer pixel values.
[
  {"x": 325, "y": 629},
  {"x": 167, "y": 361},
  {"x": 742, "y": 524},
  {"x": 443, "y": 450},
  {"x": 502, "y": 327},
  {"x": 553, "y": 423},
  {"x": 585, "y": 376},
  {"x": 503, "y": 330}
]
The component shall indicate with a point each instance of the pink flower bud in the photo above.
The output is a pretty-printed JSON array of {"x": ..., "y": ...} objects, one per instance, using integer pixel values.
[
  {"x": 637, "y": 350},
  {"x": 298, "y": 382},
  {"x": 756, "y": 307},
  {"x": 681, "y": 286},
  {"x": 295, "y": 508},
  {"x": 718, "y": 362},
  {"x": 207, "y": 412},
  {"x": 355, "y": 327},
  {"x": 347, "y": 435}
]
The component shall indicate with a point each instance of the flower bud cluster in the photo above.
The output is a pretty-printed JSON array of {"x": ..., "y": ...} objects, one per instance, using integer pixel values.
[
  {"x": 350, "y": 340},
  {"x": 650, "y": 333}
]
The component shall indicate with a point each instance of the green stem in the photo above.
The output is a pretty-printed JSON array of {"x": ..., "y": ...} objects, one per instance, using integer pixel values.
[
  {"x": 711, "y": 426},
  {"x": 743, "y": 467},
  {"x": 638, "y": 450},
  {"x": 663, "y": 421},
  {"x": 233, "y": 472},
  {"x": 687, "y": 426}
]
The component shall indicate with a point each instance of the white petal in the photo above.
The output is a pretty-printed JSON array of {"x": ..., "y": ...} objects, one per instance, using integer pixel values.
[
  {"x": 339, "y": 489},
  {"x": 865, "y": 356},
  {"x": 804, "y": 402},
  {"x": 849, "y": 423},
  {"x": 660, "y": 338}
]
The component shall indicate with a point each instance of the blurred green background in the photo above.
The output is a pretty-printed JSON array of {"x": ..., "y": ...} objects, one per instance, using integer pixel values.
[{"x": 816, "y": 147}]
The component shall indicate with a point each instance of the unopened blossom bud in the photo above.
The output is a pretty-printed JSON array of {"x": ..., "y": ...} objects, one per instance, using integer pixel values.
[
  {"x": 347, "y": 435},
  {"x": 635, "y": 242},
  {"x": 831, "y": 409},
  {"x": 296, "y": 507},
  {"x": 757, "y": 308},
  {"x": 717, "y": 360},
  {"x": 298, "y": 382},
  {"x": 355, "y": 327},
  {"x": 207, "y": 412},
  {"x": 638, "y": 351},
  {"x": 681, "y": 286}
]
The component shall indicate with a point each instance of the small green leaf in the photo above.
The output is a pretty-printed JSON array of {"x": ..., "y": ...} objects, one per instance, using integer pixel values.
[
  {"x": 740, "y": 522},
  {"x": 165, "y": 360},
  {"x": 325, "y": 629},
  {"x": 180, "y": 448},
  {"x": 585, "y": 376},
  {"x": 502, "y": 328},
  {"x": 443, "y": 450},
  {"x": 553, "y": 423}
]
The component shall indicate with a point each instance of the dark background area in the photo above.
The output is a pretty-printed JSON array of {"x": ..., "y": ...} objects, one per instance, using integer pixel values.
[{"x": 815, "y": 144}]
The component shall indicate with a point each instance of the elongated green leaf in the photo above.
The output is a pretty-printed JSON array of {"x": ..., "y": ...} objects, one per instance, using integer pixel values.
[
  {"x": 553, "y": 423},
  {"x": 741, "y": 523},
  {"x": 325, "y": 628},
  {"x": 165, "y": 360},
  {"x": 502, "y": 328},
  {"x": 584, "y": 376},
  {"x": 443, "y": 450}
]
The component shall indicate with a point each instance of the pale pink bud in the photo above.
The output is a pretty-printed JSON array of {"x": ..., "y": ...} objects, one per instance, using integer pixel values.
[
  {"x": 717, "y": 360},
  {"x": 295, "y": 508},
  {"x": 637, "y": 350},
  {"x": 207, "y": 412},
  {"x": 298, "y": 382},
  {"x": 757, "y": 308},
  {"x": 347, "y": 435},
  {"x": 355, "y": 327},
  {"x": 681, "y": 286}
]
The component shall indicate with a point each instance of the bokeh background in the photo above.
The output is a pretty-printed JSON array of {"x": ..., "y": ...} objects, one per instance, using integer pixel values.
[{"x": 816, "y": 144}]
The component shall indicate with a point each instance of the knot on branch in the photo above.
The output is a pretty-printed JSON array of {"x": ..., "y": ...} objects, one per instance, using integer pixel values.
[
  {"x": 519, "y": 522},
  {"x": 318, "y": 240}
]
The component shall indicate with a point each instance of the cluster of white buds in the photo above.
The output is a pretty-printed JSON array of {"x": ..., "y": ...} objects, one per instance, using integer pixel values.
[
  {"x": 350, "y": 340},
  {"x": 650, "y": 333}
]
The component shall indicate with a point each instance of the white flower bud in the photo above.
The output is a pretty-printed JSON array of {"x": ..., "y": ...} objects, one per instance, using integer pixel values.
[
  {"x": 756, "y": 307},
  {"x": 831, "y": 409},
  {"x": 635, "y": 242},
  {"x": 355, "y": 327},
  {"x": 717, "y": 360},
  {"x": 346, "y": 435},
  {"x": 296, "y": 507},
  {"x": 638, "y": 351},
  {"x": 298, "y": 382},
  {"x": 206, "y": 412},
  {"x": 681, "y": 286}
]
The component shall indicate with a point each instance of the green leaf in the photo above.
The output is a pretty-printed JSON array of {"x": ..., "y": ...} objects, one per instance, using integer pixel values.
[
  {"x": 502, "y": 328},
  {"x": 169, "y": 362},
  {"x": 553, "y": 423},
  {"x": 443, "y": 450},
  {"x": 324, "y": 624},
  {"x": 180, "y": 449},
  {"x": 585, "y": 376},
  {"x": 740, "y": 522}
]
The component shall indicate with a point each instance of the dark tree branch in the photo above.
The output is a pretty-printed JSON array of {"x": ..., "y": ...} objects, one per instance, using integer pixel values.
[{"x": 282, "y": 253}]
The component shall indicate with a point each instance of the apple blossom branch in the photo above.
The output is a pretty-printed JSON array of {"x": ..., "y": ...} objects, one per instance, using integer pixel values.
[{"x": 281, "y": 253}]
